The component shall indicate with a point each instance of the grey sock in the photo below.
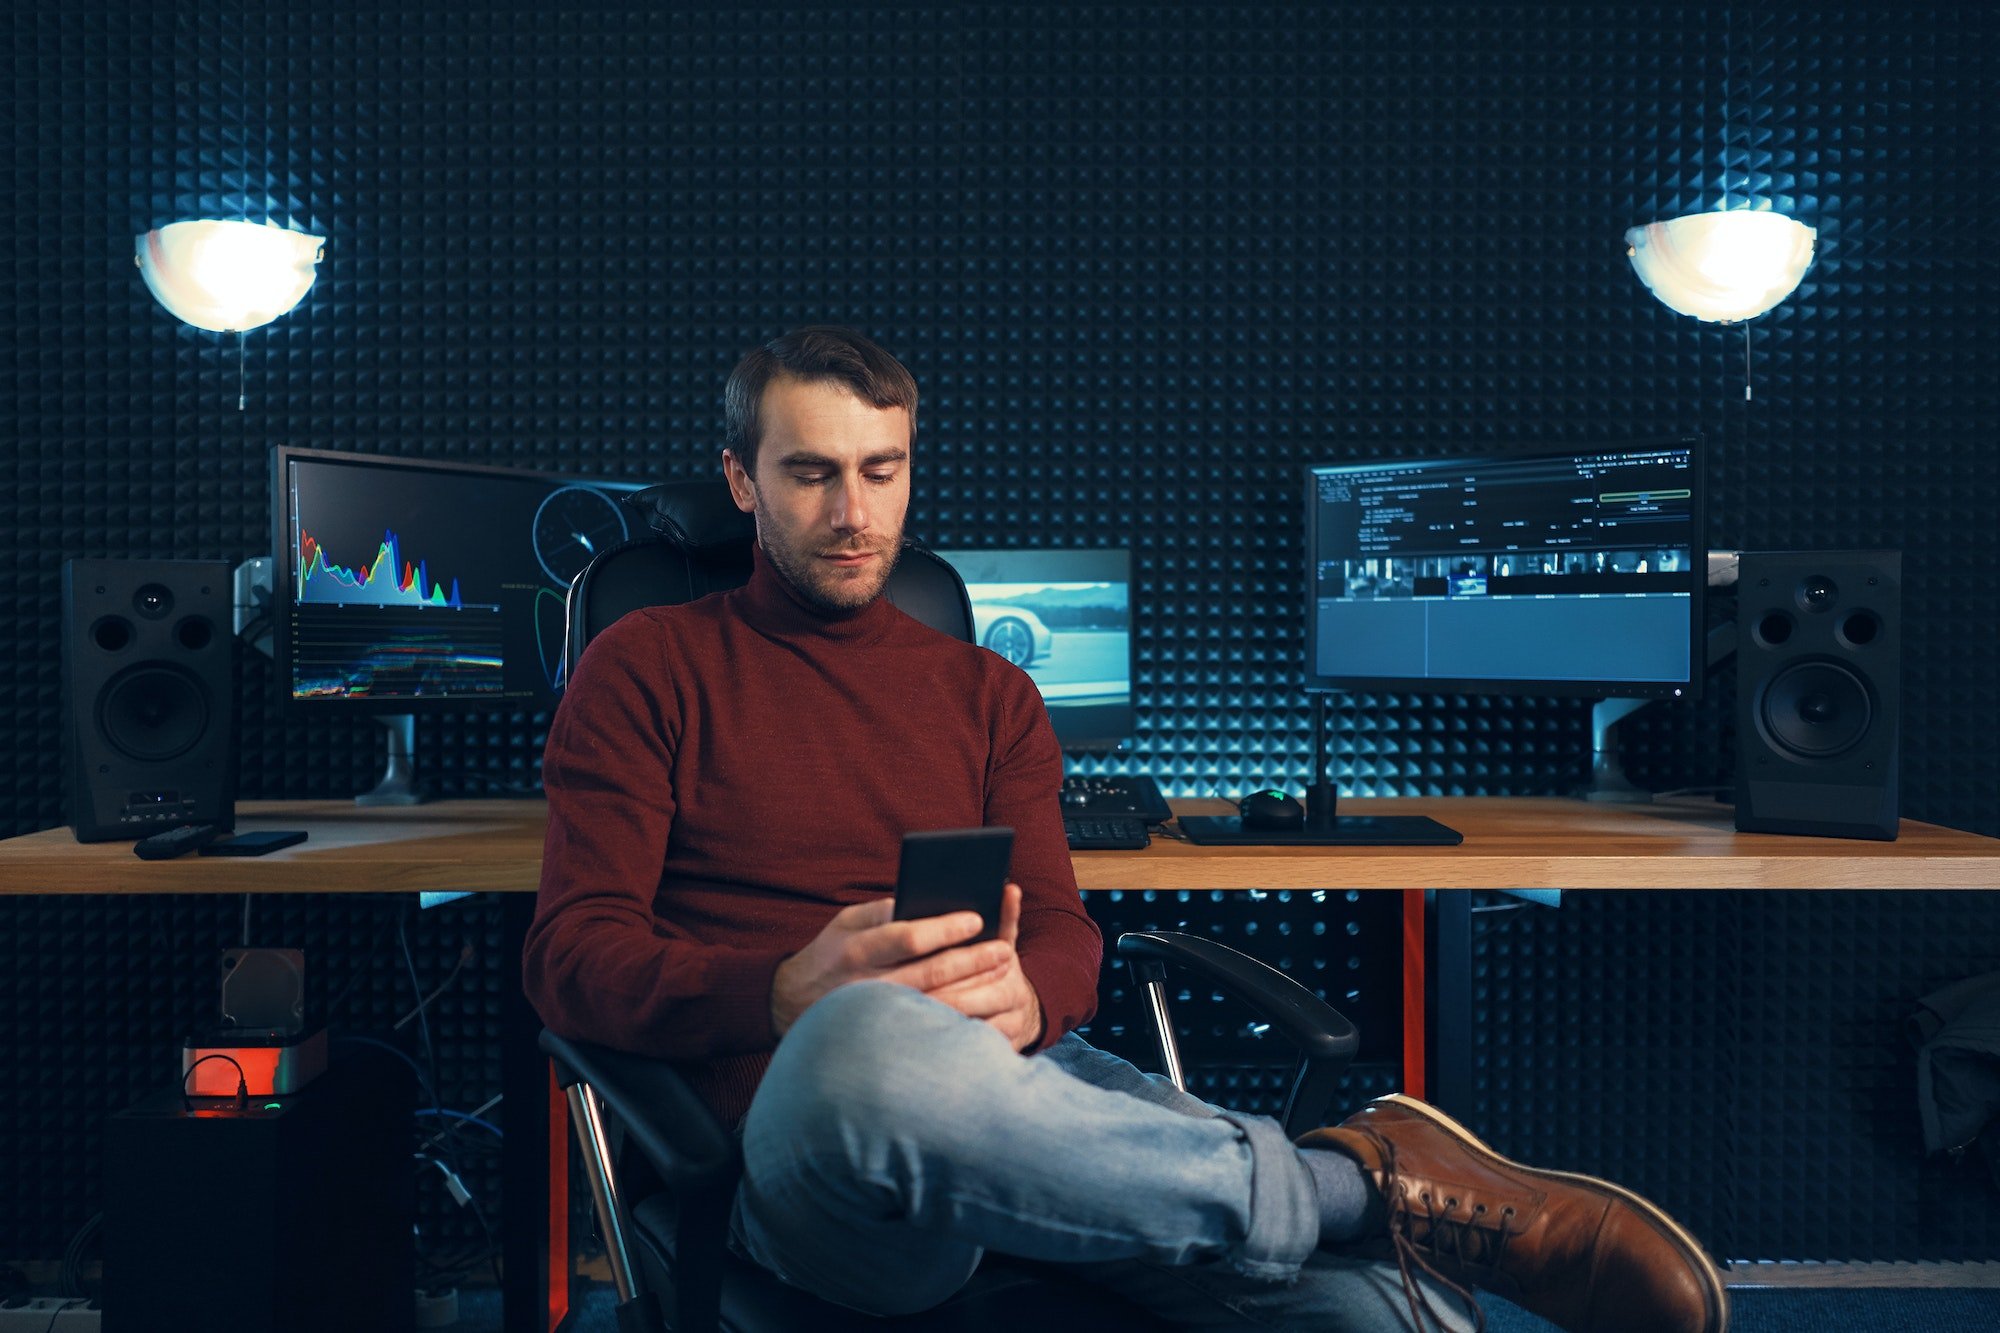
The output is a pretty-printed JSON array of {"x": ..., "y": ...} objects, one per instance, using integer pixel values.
[{"x": 1349, "y": 1206}]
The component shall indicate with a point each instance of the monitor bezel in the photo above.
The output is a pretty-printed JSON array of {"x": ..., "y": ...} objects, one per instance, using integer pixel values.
[
  {"x": 1094, "y": 743},
  {"x": 281, "y": 577},
  {"x": 1690, "y": 688}
]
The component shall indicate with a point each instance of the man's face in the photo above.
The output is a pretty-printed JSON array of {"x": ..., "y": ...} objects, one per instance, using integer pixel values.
[{"x": 830, "y": 492}]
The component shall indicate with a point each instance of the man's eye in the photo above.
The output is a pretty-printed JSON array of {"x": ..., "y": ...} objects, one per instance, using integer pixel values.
[
  {"x": 881, "y": 478},
  {"x": 812, "y": 478}
]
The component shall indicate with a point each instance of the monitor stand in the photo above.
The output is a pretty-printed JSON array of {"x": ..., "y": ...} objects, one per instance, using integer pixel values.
[
  {"x": 398, "y": 785},
  {"x": 1608, "y": 782}
]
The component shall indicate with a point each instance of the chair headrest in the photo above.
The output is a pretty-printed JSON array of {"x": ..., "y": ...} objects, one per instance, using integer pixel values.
[{"x": 694, "y": 515}]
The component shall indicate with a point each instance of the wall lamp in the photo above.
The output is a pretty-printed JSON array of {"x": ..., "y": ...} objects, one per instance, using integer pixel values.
[
  {"x": 1722, "y": 267},
  {"x": 228, "y": 276}
]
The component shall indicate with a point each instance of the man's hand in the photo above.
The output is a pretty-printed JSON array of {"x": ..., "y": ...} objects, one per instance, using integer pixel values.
[
  {"x": 1000, "y": 994},
  {"x": 864, "y": 942}
]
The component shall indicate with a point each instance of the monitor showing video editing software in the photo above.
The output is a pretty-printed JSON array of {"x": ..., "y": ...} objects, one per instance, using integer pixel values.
[
  {"x": 1579, "y": 572},
  {"x": 1065, "y": 617},
  {"x": 403, "y": 583}
]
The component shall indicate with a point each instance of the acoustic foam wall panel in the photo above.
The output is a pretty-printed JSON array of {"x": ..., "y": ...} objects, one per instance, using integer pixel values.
[{"x": 1146, "y": 263}]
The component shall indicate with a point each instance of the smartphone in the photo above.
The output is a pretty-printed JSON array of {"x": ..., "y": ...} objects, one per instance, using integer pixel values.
[
  {"x": 955, "y": 870},
  {"x": 255, "y": 844}
]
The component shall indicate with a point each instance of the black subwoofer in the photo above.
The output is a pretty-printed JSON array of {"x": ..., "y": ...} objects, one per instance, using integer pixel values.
[
  {"x": 1818, "y": 692},
  {"x": 149, "y": 733}
]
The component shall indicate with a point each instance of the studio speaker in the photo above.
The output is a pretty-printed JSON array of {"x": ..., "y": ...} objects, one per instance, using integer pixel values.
[
  {"x": 1818, "y": 692},
  {"x": 148, "y": 709}
]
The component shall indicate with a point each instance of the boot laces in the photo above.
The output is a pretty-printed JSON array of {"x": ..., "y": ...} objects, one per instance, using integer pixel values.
[{"x": 1428, "y": 1226}]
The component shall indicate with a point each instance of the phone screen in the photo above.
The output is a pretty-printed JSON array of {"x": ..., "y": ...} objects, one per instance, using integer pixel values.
[{"x": 954, "y": 870}]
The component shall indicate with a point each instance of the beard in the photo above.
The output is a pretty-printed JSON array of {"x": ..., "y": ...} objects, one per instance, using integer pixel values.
[{"x": 820, "y": 586}]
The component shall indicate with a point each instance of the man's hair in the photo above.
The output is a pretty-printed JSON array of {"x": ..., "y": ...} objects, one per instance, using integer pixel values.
[{"x": 818, "y": 353}]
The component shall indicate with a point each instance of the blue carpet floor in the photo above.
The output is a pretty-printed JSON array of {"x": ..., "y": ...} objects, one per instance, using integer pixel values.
[{"x": 1790, "y": 1310}]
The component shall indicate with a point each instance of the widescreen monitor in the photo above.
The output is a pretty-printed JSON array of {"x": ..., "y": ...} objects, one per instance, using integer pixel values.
[
  {"x": 405, "y": 584},
  {"x": 1576, "y": 572},
  {"x": 1065, "y": 617}
]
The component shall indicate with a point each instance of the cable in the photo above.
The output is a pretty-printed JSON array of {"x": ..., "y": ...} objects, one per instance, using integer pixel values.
[
  {"x": 72, "y": 1263},
  {"x": 417, "y": 989},
  {"x": 465, "y": 955},
  {"x": 451, "y": 1129},
  {"x": 463, "y": 1198},
  {"x": 242, "y": 1082},
  {"x": 423, "y": 1080},
  {"x": 58, "y": 1313},
  {"x": 467, "y": 1118},
  {"x": 246, "y": 920}
]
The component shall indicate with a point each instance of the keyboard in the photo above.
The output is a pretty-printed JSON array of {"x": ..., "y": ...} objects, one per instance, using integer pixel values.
[
  {"x": 1114, "y": 795},
  {"x": 1106, "y": 833}
]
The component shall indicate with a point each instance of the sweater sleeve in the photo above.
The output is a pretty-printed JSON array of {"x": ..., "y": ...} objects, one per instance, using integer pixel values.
[
  {"x": 1061, "y": 948},
  {"x": 599, "y": 965}
]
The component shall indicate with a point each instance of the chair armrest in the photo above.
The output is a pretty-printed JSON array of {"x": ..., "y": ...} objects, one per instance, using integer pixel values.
[
  {"x": 1320, "y": 1031},
  {"x": 1326, "y": 1041},
  {"x": 672, "y": 1127}
]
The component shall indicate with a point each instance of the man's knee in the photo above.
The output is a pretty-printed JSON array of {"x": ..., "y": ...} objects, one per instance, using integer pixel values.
[
  {"x": 862, "y": 1056},
  {"x": 858, "y": 1020}
]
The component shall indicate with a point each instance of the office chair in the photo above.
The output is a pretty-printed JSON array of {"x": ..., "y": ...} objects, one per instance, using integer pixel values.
[{"x": 662, "y": 1202}]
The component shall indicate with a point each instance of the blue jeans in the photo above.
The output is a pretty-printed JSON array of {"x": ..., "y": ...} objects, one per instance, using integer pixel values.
[{"x": 893, "y": 1141}]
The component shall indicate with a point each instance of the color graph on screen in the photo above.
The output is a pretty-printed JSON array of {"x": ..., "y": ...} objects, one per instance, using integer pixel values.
[
  {"x": 386, "y": 628},
  {"x": 387, "y": 580}
]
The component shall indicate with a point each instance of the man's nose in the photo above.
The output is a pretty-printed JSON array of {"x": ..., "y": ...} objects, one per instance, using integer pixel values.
[{"x": 850, "y": 513}]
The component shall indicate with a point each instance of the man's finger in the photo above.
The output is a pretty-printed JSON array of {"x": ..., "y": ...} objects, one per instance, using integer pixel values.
[
  {"x": 1010, "y": 913},
  {"x": 861, "y": 916},
  {"x": 942, "y": 969},
  {"x": 976, "y": 997},
  {"x": 932, "y": 933}
]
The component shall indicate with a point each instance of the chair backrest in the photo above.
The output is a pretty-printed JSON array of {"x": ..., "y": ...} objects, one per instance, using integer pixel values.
[{"x": 700, "y": 543}]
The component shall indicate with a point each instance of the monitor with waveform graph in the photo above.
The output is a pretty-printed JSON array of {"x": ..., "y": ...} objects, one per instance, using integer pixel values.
[{"x": 407, "y": 584}]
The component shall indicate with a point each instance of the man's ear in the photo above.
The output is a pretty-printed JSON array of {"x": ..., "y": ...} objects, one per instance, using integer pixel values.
[{"x": 741, "y": 488}]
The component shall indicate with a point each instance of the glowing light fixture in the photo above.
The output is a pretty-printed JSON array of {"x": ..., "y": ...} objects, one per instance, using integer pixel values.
[
  {"x": 1722, "y": 267},
  {"x": 228, "y": 276}
]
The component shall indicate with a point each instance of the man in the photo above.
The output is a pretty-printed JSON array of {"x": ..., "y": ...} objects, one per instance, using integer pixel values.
[{"x": 728, "y": 784}]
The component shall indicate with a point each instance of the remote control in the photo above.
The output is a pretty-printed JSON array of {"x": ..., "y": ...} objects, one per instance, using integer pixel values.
[{"x": 174, "y": 842}]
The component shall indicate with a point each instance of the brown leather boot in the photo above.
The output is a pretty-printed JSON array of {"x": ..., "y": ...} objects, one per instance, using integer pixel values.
[{"x": 1580, "y": 1252}]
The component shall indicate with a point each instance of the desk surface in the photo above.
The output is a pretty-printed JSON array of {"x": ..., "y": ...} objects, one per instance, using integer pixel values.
[{"x": 1510, "y": 843}]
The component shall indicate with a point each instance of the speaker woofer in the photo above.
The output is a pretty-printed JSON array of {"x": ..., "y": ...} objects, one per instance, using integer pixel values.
[
  {"x": 153, "y": 712},
  {"x": 1815, "y": 710}
]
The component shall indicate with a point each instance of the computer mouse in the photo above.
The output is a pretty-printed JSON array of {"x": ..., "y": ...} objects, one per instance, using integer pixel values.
[{"x": 1271, "y": 809}]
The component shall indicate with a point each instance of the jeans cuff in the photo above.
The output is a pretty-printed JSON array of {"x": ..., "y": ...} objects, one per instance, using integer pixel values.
[{"x": 1284, "y": 1211}]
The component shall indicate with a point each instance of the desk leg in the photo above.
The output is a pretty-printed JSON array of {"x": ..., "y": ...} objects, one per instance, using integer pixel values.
[
  {"x": 1448, "y": 1069},
  {"x": 1416, "y": 1000},
  {"x": 534, "y": 1162}
]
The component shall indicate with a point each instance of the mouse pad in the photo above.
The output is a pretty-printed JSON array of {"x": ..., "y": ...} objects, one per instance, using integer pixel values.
[{"x": 1348, "y": 831}]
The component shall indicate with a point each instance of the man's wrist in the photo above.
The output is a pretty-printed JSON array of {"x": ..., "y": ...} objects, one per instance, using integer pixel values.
[
  {"x": 781, "y": 1021},
  {"x": 1041, "y": 1025}
]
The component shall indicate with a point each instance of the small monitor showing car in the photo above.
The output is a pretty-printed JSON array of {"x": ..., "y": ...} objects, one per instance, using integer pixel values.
[{"x": 1064, "y": 617}]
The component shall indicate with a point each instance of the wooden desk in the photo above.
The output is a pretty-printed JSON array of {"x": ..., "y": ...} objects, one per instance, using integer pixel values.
[
  {"x": 447, "y": 846},
  {"x": 1554, "y": 843},
  {"x": 1545, "y": 844},
  {"x": 1510, "y": 844}
]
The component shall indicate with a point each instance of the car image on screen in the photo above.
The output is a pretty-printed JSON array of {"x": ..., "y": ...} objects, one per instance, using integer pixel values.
[{"x": 1014, "y": 632}]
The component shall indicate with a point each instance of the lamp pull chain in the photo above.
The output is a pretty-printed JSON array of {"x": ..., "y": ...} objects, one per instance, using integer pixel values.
[
  {"x": 239, "y": 369},
  {"x": 1746, "y": 360}
]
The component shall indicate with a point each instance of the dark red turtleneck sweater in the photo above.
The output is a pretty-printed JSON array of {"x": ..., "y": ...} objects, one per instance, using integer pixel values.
[{"x": 725, "y": 775}]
